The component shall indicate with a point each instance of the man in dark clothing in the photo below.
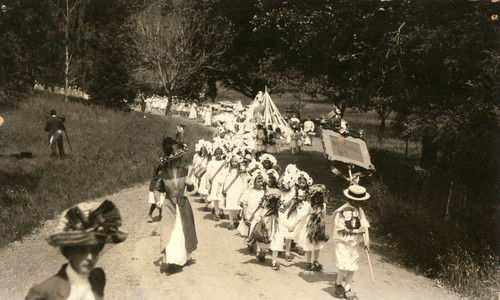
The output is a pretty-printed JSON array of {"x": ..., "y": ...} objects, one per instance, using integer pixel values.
[{"x": 55, "y": 126}]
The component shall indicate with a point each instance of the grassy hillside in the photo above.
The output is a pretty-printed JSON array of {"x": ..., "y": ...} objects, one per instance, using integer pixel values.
[{"x": 111, "y": 150}]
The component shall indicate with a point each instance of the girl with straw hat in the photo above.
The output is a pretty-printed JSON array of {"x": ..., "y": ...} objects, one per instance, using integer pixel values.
[{"x": 350, "y": 230}]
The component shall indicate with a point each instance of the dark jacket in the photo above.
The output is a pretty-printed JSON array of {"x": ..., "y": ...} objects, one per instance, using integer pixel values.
[
  {"x": 58, "y": 286},
  {"x": 54, "y": 124},
  {"x": 175, "y": 195}
]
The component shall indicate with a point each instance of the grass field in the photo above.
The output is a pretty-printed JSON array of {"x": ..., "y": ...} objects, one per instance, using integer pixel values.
[
  {"x": 317, "y": 107},
  {"x": 112, "y": 150}
]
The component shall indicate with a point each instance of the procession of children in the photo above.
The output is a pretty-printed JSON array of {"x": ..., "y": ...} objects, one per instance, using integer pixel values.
[{"x": 275, "y": 210}]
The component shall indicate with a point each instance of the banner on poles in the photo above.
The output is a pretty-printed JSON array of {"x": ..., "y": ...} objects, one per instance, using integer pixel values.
[{"x": 346, "y": 149}]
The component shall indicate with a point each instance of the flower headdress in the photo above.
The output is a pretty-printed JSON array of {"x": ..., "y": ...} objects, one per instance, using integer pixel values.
[
  {"x": 254, "y": 166},
  {"x": 256, "y": 174},
  {"x": 287, "y": 181},
  {"x": 318, "y": 189},
  {"x": 304, "y": 175},
  {"x": 269, "y": 157},
  {"x": 292, "y": 170},
  {"x": 274, "y": 173},
  {"x": 199, "y": 145}
]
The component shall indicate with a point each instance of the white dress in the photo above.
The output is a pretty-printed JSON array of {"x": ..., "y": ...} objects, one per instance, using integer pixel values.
[
  {"x": 208, "y": 117},
  {"x": 192, "y": 113},
  {"x": 214, "y": 174},
  {"x": 274, "y": 230},
  {"x": 302, "y": 240},
  {"x": 196, "y": 160},
  {"x": 286, "y": 197},
  {"x": 308, "y": 129},
  {"x": 252, "y": 198},
  {"x": 202, "y": 187},
  {"x": 302, "y": 213},
  {"x": 176, "y": 247},
  {"x": 235, "y": 189}
]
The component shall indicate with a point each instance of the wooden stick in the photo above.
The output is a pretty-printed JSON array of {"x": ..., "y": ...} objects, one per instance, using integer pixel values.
[
  {"x": 370, "y": 265},
  {"x": 365, "y": 239}
]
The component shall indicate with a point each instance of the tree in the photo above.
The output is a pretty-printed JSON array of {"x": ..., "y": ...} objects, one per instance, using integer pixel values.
[
  {"x": 327, "y": 47},
  {"x": 179, "y": 44},
  {"x": 28, "y": 47},
  {"x": 110, "y": 82},
  {"x": 66, "y": 11}
]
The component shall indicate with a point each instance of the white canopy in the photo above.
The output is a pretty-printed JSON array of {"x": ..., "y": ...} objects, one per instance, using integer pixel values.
[{"x": 263, "y": 108}]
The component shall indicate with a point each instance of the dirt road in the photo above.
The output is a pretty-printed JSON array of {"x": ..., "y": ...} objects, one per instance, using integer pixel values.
[{"x": 222, "y": 269}]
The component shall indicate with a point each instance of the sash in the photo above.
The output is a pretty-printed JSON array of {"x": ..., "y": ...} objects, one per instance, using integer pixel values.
[
  {"x": 253, "y": 214},
  {"x": 215, "y": 174},
  {"x": 224, "y": 190},
  {"x": 218, "y": 170}
]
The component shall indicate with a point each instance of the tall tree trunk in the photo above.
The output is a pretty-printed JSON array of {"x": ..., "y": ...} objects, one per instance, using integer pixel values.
[
  {"x": 169, "y": 103},
  {"x": 382, "y": 122},
  {"x": 66, "y": 70},
  {"x": 211, "y": 89},
  {"x": 447, "y": 214},
  {"x": 428, "y": 156}
]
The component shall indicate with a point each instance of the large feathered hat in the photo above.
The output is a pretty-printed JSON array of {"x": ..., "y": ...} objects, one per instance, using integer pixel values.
[
  {"x": 88, "y": 223},
  {"x": 172, "y": 149}
]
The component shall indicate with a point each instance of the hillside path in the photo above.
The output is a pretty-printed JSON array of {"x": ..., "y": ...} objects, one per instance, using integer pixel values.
[{"x": 221, "y": 270}]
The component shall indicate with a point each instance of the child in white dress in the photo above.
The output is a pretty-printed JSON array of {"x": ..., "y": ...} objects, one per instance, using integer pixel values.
[
  {"x": 214, "y": 177},
  {"x": 201, "y": 170},
  {"x": 312, "y": 235},
  {"x": 287, "y": 195},
  {"x": 299, "y": 206},
  {"x": 350, "y": 230},
  {"x": 250, "y": 199},
  {"x": 231, "y": 188},
  {"x": 269, "y": 235}
]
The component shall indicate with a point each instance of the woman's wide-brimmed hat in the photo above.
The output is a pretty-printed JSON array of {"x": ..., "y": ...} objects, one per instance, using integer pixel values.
[
  {"x": 357, "y": 193},
  {"x": 172, "y": 149},
  {"x": 87, "y": 224}
]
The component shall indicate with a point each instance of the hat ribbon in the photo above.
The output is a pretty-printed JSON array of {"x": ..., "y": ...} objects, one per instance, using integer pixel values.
[{"x": 356, "y": 195}]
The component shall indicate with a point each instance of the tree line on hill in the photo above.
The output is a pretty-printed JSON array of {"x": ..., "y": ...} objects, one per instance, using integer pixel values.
[{"x": 434, "y": 64}]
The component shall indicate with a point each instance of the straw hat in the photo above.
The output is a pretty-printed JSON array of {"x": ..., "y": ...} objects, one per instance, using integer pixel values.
[
  {"x": 357, "y": 193},
  {"x": 88, "y": 223}
]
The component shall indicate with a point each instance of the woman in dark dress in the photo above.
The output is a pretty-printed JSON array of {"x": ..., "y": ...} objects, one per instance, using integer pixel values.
[{"x": 178, "y": 232}]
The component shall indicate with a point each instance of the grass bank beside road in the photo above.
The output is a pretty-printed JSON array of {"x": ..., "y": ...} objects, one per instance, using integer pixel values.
[{"x": 112, "y": 150}]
